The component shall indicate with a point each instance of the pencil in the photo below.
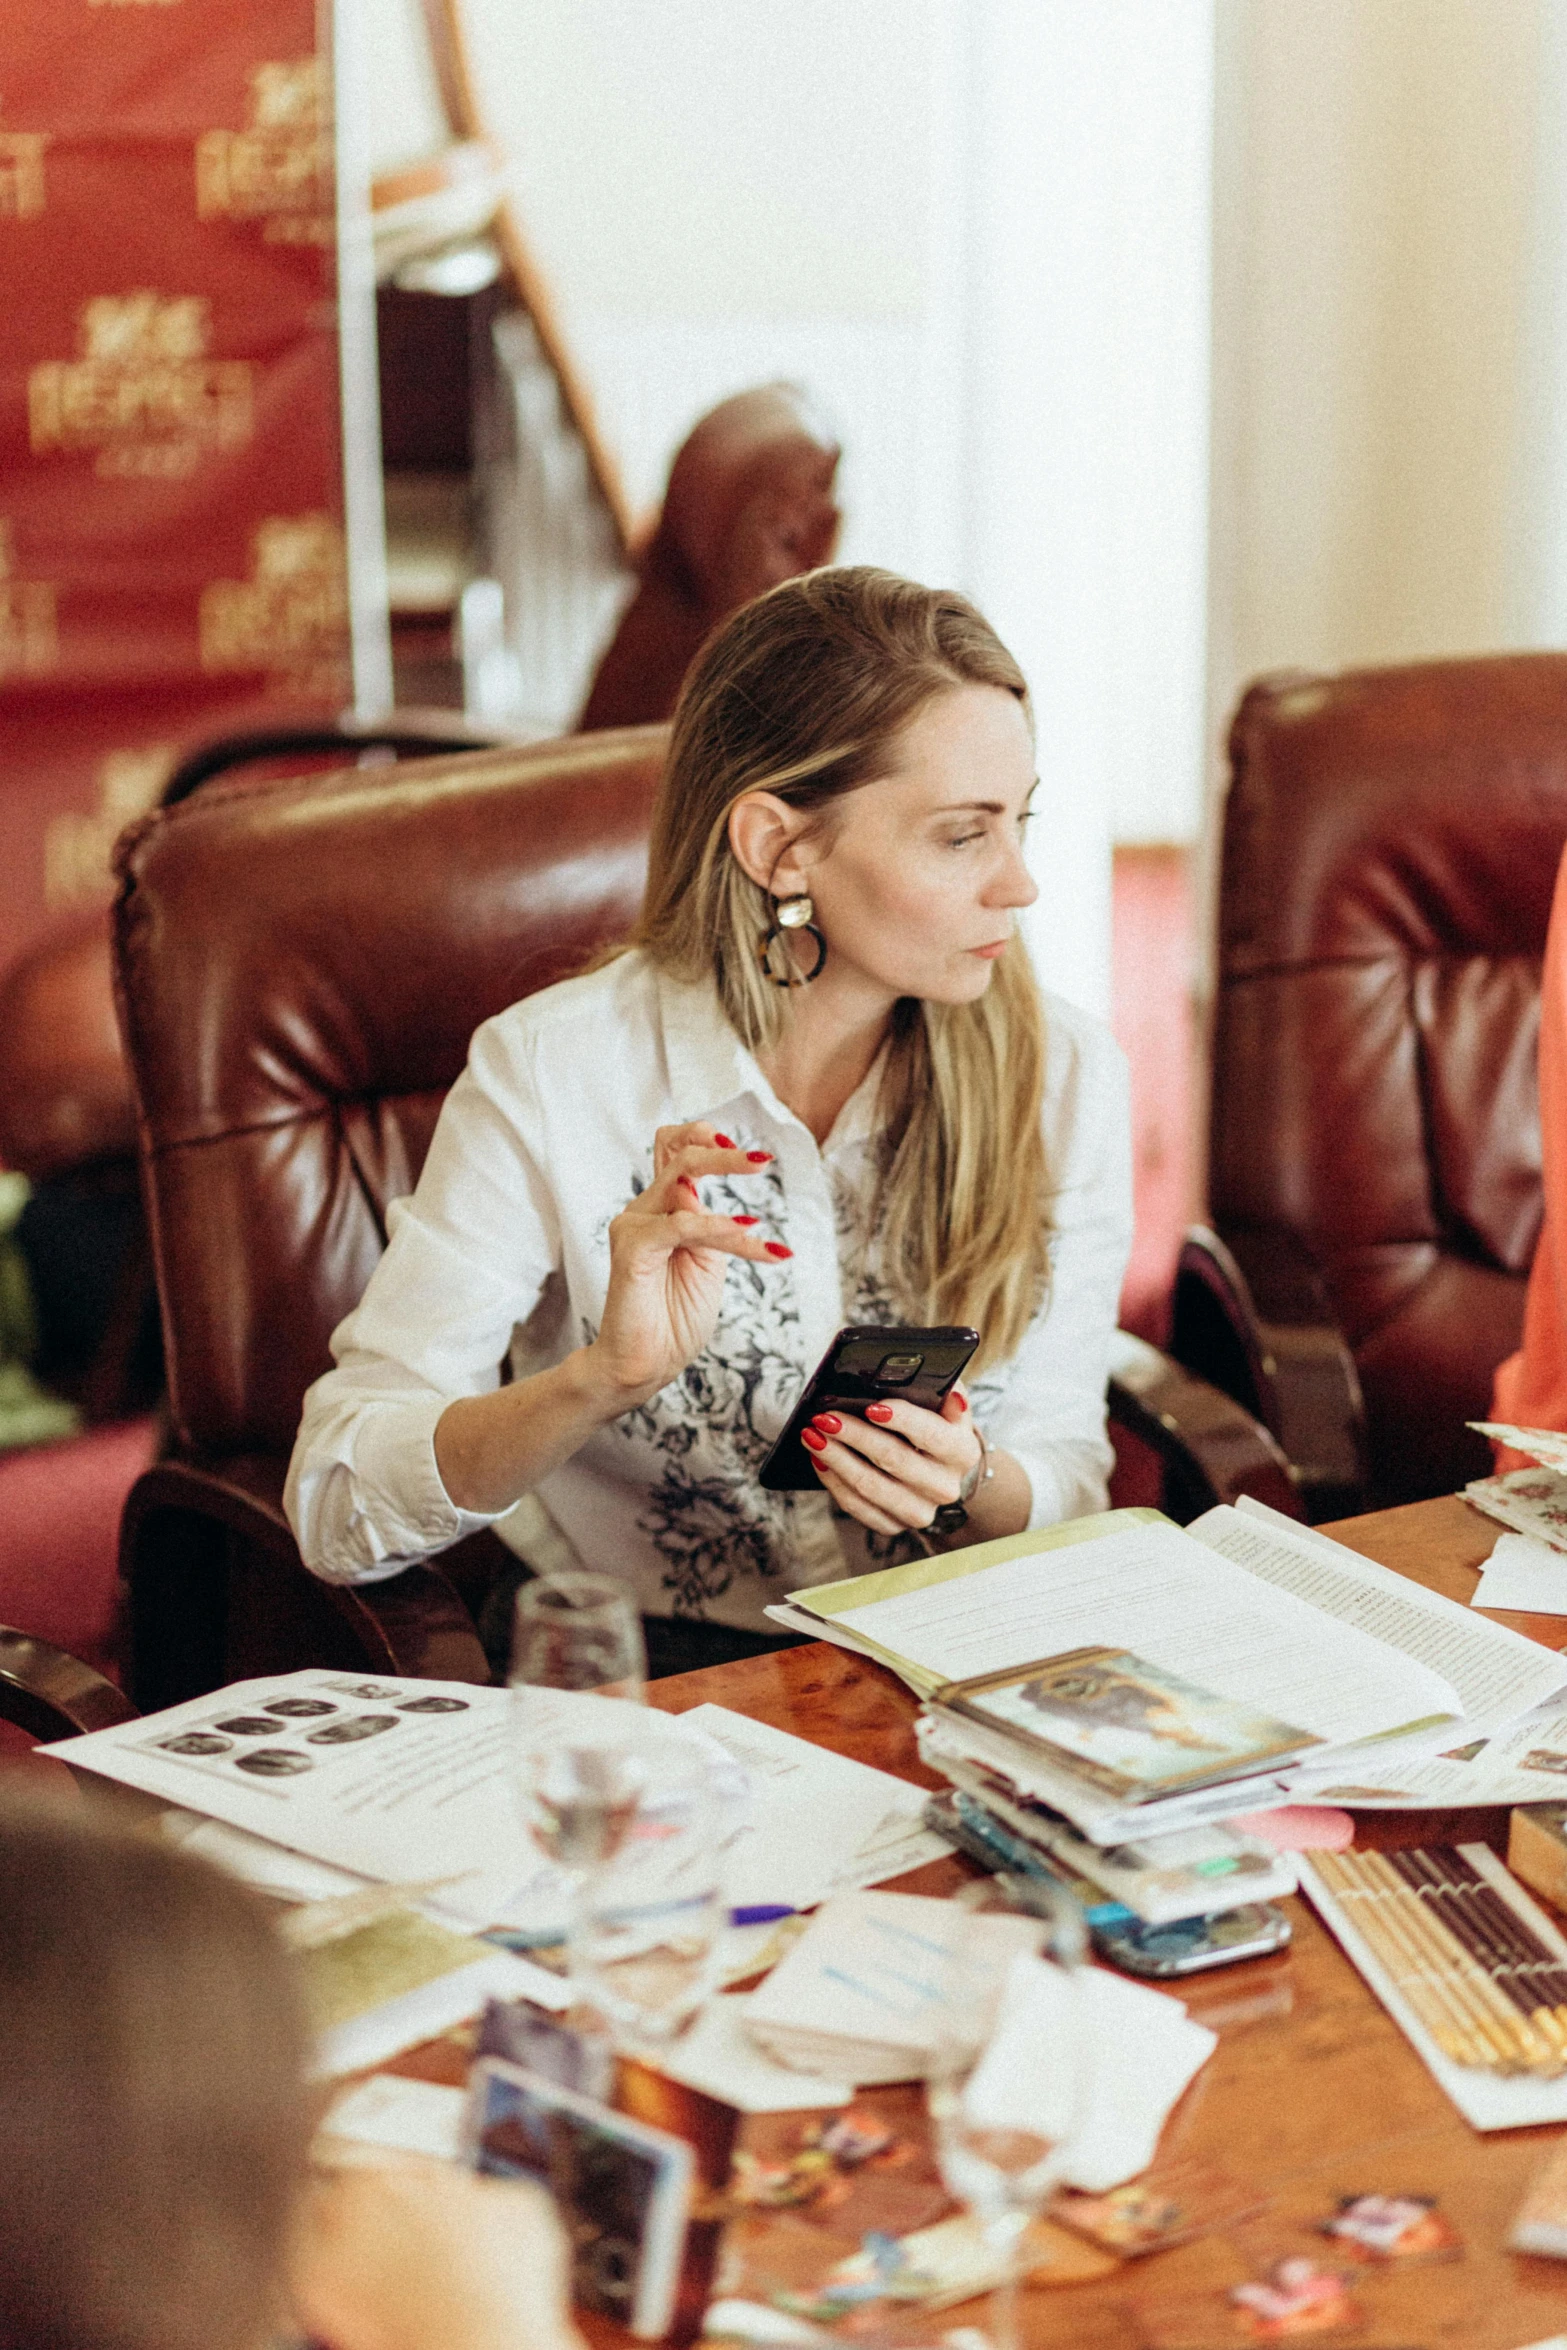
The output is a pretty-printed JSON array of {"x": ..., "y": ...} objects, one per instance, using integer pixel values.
[
  {"x": 1508, "y": 1958},
  {"x": 1536, "y": 1969},
  {"x": 1462, "y": 1874},
  {"x": 1434, "y": 1999},
  {"x": 1534, "y": 2048}
]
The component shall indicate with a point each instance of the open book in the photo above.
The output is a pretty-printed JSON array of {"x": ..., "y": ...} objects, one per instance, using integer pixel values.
[{"x": 1244, "y": 1603}]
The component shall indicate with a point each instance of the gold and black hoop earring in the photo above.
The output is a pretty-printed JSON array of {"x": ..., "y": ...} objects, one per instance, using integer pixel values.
[{"x": 791, "y": 914}]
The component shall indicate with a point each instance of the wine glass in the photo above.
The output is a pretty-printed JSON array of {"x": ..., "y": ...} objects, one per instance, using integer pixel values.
[
  {"x": 579, "y": 1682},
  {"x": 1007, "y": 2071},
  {"x": 649, "y": 1921}
]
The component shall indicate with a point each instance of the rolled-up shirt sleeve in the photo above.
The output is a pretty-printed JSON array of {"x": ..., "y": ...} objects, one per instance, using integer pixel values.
[
  {"x": 467, "y": 1258},
  {"x": 1050, "y": 1414}
]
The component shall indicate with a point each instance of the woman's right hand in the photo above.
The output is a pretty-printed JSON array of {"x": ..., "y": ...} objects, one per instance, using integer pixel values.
[{"x": 667, "y": 1262}]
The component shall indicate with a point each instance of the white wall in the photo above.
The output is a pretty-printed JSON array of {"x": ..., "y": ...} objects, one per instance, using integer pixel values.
[
  {"x": 1388, "y": 448},
  {"x": 978, "y": 230}
]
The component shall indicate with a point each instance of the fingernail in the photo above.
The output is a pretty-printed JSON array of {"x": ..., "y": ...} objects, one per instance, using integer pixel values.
[
  {"x": 721, "y": 1142},
  {"x": 745, "y": 1219},
  {"x": 775, "y": 1248},
  {"x": 960, "y": 1400},
  {"x": 811, "y": 1441},
  {"x": 759, "y": 1158},
  {"x": 686, "y": 1184},
  {"x": 828, "y": 1422},
  {"x": 878, "y": 1411}
]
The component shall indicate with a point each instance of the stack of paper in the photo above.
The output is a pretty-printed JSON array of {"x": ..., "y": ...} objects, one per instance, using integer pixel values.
[
  {"x": 1412, "y": 1699},
  {"x": 1531, "y": 1501},
  {"x": 1189, "y": 1872},
  {"x": 1525, "y": 1576},
  {"x": 859, "y": 1995},
  {"x": 1084, "y": 2056}
]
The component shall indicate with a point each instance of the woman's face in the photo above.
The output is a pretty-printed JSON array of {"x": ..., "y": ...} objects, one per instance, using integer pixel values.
[{"x": 917, "y": 877}]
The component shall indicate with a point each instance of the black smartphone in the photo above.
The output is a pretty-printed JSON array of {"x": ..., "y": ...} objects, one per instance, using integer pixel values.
[{"x": 867, "y": 1365}]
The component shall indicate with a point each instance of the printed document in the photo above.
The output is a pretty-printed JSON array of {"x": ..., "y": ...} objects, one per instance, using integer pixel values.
[
  {"x": 1497, "y": 1673},
  {"x": 1147, "y": 1587},
  {"x": 402, "y": 1780}
]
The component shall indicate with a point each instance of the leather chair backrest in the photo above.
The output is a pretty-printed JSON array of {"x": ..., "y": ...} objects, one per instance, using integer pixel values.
[
  {"x": 300, "y": 967},
  {"x": 1390, "y": 851}
]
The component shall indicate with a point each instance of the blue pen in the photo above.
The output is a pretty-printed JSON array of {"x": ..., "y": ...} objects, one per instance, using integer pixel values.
[{"x": 762, "y": 1913}]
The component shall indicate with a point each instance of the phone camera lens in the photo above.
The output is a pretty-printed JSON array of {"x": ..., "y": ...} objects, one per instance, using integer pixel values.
[{"x": 898, "y": 1370}]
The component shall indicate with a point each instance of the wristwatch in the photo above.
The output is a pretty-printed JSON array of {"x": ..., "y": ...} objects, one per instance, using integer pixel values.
[{"x": 953, "y": 1515}]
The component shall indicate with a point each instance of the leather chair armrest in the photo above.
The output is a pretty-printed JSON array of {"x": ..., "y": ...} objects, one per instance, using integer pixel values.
[
  {"x": 1253, "y": 1315},
  {"x": 217, "y": 1590},
  {"x": 50, "y": 1694},
  {"x": 1211, "y": 1448}
]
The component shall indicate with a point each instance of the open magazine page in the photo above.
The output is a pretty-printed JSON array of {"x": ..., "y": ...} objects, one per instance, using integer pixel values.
[
  {"x": 1497, "y": 1673},
  {"x": 1151, "y": 1589},
  {"x": 1525, "y": 1763}
]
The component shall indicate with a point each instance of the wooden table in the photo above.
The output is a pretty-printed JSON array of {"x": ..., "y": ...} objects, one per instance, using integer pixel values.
[{"x": 1311, "y": 2093}]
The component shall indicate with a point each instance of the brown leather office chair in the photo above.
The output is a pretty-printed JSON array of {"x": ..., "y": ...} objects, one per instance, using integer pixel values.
[
  {"x": 300, "y": 968},
  {"x": 1390, "y": 847},
  {"x": 48, "y": 1693},
  {"x": 749, "y": 503},
  {"x": 66, "y": 1120}
]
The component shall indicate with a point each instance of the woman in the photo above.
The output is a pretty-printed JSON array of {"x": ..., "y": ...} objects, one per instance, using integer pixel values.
[
  {"x": 155, "y": 2121},
  {"x": 1531, "y": 1385},
  {"x": 821, "y": 1087}
]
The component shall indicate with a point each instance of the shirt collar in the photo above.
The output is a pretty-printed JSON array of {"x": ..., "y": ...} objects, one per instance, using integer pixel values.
[{"x": 709, "y": 1066}]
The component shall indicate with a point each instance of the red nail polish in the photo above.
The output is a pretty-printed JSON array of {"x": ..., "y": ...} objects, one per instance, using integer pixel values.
[
  {"x": 878, "y": 1411},
  {"x": 721, "y": 1142},
  {"x": 960, "y": 1400},
  {"x": 812, "y": 1441},
  {"x": 759, "y": 1158},
  {"x": 745, "y": 1219},
  {"x": 828, "y": 1422},
  {"x": 775, "y": 1248}
]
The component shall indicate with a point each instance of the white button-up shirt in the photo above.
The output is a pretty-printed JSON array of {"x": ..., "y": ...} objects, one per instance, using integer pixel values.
[{"x": 501, "y": 1256}]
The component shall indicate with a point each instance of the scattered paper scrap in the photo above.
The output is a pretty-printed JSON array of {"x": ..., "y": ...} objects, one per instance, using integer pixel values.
[
  {"x": 1523, "y": 1574},
  {"x": 1389, "y": 2228},
  {"x": 1548, "y": 1446},
  {"x": 1296, "y": 2297}
]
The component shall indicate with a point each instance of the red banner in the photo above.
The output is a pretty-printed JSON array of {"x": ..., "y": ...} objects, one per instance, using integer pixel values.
[{"x": 171, "y": 513}]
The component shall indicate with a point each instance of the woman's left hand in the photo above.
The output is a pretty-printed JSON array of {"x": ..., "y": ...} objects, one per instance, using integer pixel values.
[{"x": 897, "y": 1467}]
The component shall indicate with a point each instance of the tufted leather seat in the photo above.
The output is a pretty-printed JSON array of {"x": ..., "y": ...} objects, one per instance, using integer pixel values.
[
  {"x": 300, "y": 966},
  {"x": 749, "y": 504},
  {"x": 1390, "y": 846}
]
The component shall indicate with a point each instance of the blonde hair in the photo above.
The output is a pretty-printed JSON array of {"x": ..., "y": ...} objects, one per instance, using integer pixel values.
[{"x": 801, "y": 694}]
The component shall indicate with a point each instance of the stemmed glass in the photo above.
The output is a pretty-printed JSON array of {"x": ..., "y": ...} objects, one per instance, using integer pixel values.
[
  {"x": 648, "y": 1930},
  {"x": 623, "y": 1805},
  {"x": 1007, "y": 2075},
  {"x": 578, "y": 1681}
]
